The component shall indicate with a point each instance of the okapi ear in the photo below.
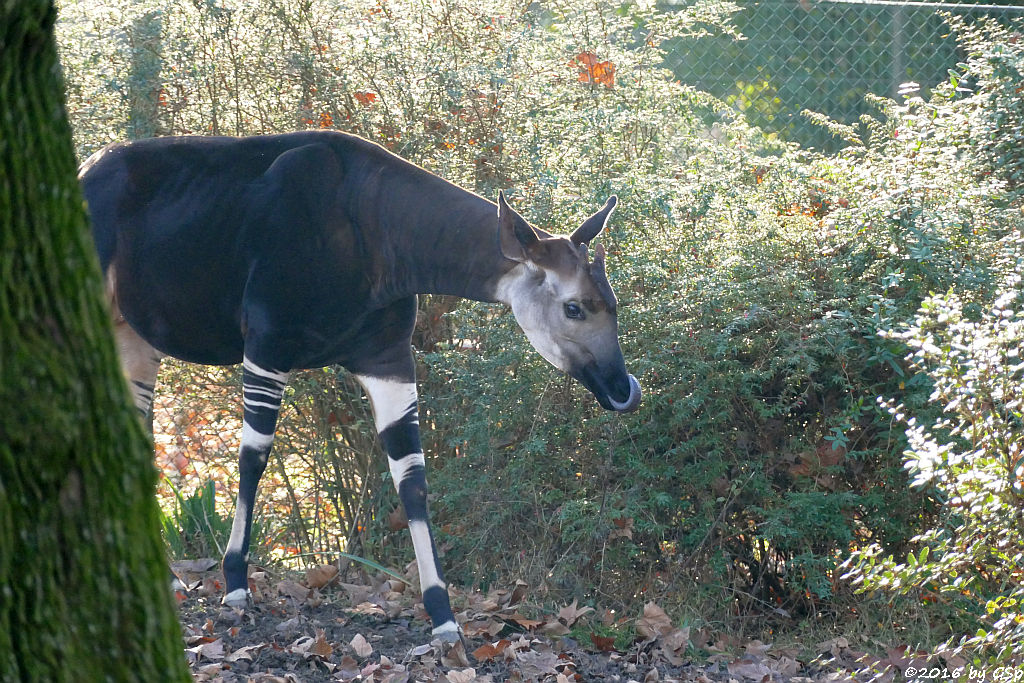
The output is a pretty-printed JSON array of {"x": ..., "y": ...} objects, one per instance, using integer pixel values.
[
  {"x": 516, "y": 236},
  {"x": 595, "y": 224}
]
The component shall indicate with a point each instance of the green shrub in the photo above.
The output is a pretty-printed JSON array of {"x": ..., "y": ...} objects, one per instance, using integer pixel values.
[
  {"x": 964, "y": 565},
  {"x": 969, "y": 561},
  {"x": 194, "y": 528}
]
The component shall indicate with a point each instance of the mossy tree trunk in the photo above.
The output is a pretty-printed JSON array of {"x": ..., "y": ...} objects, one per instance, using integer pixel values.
[{"x": 84, "y": 592}]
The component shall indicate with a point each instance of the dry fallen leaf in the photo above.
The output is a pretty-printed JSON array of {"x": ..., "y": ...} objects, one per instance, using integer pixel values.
[
  {"x": 461, "y": 676},
  {"x": 481, "y": 626},
  {"x": 312, "y": 647},
  {"x": 420, "y": 650},
  {"x": 455, "y": 656},
  {"x": 753, "y": 668},
  {"x": 293, "y": 590},
  {"x": 518, "y": 593},
  {"x": 489, "y": 651},
  {"x": 570, "y": 613},
  {"x": 653, "y": 623},
  {"x": 525, "y": 622},
  {"x": 243, "y": 653},
  {"x": 786, "y": 666},
  {"x": 320, "y": 646},
  {"x": 623, "y": 529},
  {"x": 361, "y": 645},
  {"x": 318, "y": 577},
  {"x": 209, "y": 650},
  {"x": 554, "y": 629},
  {"x": 593, "y": 71},
  {"x": 348, "y": 668},
  {"x": 537, "y": 665},
  {"x": 677, "y": 639},
  {"x": 194, "y": 566},
  {"x": 370, "y": 608},
  {"x": 211, "y": 672},
  {"x": 603, "y": 643}
]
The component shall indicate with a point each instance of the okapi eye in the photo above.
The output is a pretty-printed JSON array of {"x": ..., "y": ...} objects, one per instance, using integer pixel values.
[{"x": 575, "y": 311}]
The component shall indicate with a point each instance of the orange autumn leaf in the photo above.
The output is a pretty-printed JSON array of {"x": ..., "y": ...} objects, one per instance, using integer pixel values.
[
  {"x": 603, "y": 643},
  {"x": 593, "y": 71},
  {"x": 365, "y": 98},
  {"x": 326, "y": 120},
  {"x": 525, "y": 622},
  {"x": 489, "y": 651}
]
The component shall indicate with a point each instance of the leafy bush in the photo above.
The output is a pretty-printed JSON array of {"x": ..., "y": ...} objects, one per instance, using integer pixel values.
[
  {"x": 996, "y": 63},
  {"x": 965, "y": 564},
  {"x": 969, "y": 460}
]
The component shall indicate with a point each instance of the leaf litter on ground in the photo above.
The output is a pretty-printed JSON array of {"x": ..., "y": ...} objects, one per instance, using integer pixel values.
[{"x": 333, "y": 624}]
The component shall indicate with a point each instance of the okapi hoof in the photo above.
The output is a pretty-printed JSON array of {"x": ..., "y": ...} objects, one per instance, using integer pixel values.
[
  {"x": 238, "y": 598},
  {"x": 448, "y": 632}
]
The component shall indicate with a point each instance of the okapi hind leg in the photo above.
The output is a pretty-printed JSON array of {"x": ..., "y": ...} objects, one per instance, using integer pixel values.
[
  {"x": 141, "y": 364},
  {"x": 397, "y": 420},
  {"x": 262, "y": 390}
]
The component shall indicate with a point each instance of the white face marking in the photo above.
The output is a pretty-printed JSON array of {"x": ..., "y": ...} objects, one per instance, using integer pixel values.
[
  {"x": 518, "y": 290},
  {"x": 424, "y": 555},
  {"x": 390, "y": 399},
  {"x": 538, "y": 309}
]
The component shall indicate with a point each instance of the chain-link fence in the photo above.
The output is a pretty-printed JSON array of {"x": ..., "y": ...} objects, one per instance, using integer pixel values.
[{"x": 823, "y": 55}]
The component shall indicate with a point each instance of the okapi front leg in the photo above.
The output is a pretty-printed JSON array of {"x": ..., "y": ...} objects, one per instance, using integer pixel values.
[
  {"x": 262, "y": 390},
  {"x": 397, "y": 420}
]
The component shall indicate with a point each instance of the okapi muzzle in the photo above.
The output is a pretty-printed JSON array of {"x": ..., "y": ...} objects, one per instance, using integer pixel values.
[
  {"x": 608, "y": 382},
  {"x": 565, "y": 304}
]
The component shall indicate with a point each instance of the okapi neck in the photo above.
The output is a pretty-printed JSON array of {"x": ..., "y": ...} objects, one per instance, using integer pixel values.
[{"x": 446, "y": 244}]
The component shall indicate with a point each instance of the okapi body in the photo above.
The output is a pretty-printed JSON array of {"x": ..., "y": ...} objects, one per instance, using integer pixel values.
[{"x": 307, "y": 249}]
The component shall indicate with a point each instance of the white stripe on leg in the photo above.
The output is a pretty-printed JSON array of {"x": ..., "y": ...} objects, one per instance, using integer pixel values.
[
  {"x": 391, "y": 399},
  {"x": 400, "y": 468},
  {"x": 279, "y": 377},
  {"x": 425, "y": 560}
]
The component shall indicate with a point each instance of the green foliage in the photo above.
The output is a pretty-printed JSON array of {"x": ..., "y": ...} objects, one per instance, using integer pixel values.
[
  {"x": 969, "y": 460},
  {"x": 823, "y": 55},
  {"x": 996, "y": 62},
  {"x": 963, "y": 452},
  {"x": 194, "y": 527}
]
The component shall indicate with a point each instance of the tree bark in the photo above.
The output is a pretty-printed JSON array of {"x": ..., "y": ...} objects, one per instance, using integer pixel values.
[{"x": 84, "y": 593}]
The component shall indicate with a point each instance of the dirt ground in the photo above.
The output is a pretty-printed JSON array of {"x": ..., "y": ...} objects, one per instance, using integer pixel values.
[{"x": 326, "y": 625}]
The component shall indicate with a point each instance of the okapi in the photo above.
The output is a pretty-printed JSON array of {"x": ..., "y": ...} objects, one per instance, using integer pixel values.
[{"x": 308, "y": 249}]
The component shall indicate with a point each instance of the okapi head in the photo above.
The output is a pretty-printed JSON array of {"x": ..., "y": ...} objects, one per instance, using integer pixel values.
[{"x": 565, "y": 305}]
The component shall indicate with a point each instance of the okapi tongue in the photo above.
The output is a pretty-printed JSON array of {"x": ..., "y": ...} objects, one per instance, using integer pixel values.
[{"x": 631, "y": 403}]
